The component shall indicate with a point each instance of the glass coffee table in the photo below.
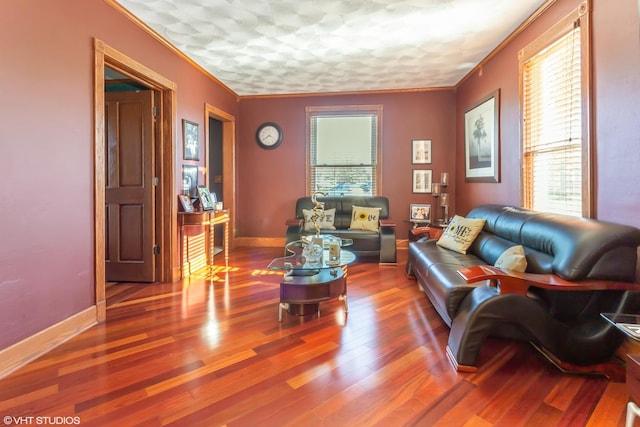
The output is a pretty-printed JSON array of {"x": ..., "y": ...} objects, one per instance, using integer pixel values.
[{"x": 306, "y": 284}]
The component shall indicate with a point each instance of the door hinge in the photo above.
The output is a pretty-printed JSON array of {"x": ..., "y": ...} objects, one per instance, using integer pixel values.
[
  {"x": 156, "y": 250},
  {"x": 155, "y": 113},
  {"x": 156, "y": 181}
]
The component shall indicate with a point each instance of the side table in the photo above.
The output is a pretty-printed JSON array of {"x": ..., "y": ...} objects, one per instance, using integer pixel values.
[{"x": 630, "y": 325}]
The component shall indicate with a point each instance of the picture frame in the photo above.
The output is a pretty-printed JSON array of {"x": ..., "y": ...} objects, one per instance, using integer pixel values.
[
  {"x": 420, "y": 151},
  {"x": 482, "y": 141},
  {"x": 420, "y": 213},
  {"x": 422, "y": 179},
  {"x": 185, "y": 203},
  {"x": 205, "y": 198},
  {"x": 190, "y": 180},
  {"x": 190, "y": 141}
]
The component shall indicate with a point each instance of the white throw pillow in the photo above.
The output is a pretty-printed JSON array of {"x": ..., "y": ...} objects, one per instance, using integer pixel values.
[
  {"x": 512, "y": 259},
  {"x": 363, "y": 218},
  {"x": 325, "y": 222},
  {"x": 460, "y": 233}
]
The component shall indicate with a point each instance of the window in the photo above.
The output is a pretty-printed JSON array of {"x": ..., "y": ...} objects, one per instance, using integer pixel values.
[
  {"x": 343, "y": 150},
  {"x": 554, "y": 71}
]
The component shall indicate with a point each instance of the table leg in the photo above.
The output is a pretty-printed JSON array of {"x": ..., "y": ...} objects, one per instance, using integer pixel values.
[{"x": 226, "y": 243}]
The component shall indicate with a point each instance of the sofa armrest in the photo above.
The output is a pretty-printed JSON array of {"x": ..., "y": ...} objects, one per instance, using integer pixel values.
[
  {"x": 518, "y": 283},
  {"x": 293, "y": 222},
  {"x": 387, "y": 222},
  {"x": 431, "y": 232}
]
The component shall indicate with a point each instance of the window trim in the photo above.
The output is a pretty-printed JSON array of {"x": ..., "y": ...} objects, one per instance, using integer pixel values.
[
  {"x": 582, "y": 15},
  {"x": 346, "y": 110}
]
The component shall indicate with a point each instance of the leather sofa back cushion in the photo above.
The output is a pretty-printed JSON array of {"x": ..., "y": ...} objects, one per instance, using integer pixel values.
[
  {"x": 343, "y": 206},
  {"x": 571, "y": 247}
]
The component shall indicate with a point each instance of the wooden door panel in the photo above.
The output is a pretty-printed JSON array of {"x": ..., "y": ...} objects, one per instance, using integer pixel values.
[{"x": 129, "y": 189}]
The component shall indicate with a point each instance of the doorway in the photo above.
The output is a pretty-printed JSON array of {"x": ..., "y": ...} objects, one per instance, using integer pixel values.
[
  {"x": 166, "y": 254},
  {"x": 220, "y": 160}
]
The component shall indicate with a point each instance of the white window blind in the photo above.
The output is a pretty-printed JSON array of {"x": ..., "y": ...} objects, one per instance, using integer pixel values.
[
  {"x": 343, "y": 153},
  {"x": 555, "y": 144}
]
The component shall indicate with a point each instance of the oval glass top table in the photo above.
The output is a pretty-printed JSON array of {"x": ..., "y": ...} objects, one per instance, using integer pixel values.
[{"x": 307, "y": 283}]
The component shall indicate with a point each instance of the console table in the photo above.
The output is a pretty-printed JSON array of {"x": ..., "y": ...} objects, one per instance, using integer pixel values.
[{"x": 208, "y": 220}]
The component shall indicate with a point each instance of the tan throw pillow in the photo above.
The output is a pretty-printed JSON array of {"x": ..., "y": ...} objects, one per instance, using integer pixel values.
[
  {"x": 325, "y": 222},
  {"x": 460, "y": 233},
  {"x": 365, "y": 218},
  {"x": 512, "y": 259}
]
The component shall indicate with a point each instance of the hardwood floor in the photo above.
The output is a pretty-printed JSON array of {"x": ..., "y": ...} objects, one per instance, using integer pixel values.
[{"x": 210, "y": 353}]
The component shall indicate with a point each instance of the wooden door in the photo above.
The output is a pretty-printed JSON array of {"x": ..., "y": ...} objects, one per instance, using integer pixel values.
[{"x": 129, "y": 192}]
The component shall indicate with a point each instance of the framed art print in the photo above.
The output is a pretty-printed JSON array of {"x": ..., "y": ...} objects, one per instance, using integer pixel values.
[
  {"x": 185, "y": 203},
  {"x": 481, "y": 142},
  {"x": 191, "y": 144},
  {"x": 190, "y": 180},
  {"x": 205, "y": 198},
  {"x": 420, "y": 151},
  {"x": 422, "y": 180}
]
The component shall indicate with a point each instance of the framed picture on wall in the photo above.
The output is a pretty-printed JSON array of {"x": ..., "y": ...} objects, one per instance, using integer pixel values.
[
  {"x": 422, "y": 180},
  {"x": 190, "y": 180},
  {"x": 190, "y": 142},
  {"x": 481, "y": 141},
  {"x": 420, "y": 151}
]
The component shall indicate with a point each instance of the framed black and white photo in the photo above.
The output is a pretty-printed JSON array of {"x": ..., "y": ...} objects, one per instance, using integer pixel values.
[
  {"x": 481, "y": 140},
  {"x": 190, "y": 180},
  {"x": 422, "y": 180},
  {"x": 191, "y": 144},
  {"x": 421, "y": 151}
]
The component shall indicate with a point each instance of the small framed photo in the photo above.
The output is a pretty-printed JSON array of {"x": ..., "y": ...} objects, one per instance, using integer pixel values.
[
  {"x": 185, "y": 203},
  {"x": 422, "y": 180},
  {"x": 190, "y": 180},
  {"x": 191, "y": 144},
  {"x": 420, "y": 213},
  {"x": 205, "y": 198},
  {"x": 421, "y": 151}
]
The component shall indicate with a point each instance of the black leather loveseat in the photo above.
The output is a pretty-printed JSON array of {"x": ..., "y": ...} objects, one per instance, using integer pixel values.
[
  {"x": 576, "y": 269},
  {"x": 380, "y": 242}
]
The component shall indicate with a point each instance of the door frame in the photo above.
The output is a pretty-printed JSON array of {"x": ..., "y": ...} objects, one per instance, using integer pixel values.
[
  {"x": 166, "y": 208},
  {"x": 228, "y": 160}
]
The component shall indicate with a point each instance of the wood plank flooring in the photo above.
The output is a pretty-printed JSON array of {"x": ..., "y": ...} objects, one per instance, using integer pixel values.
[{"x": 212, "y": 353}]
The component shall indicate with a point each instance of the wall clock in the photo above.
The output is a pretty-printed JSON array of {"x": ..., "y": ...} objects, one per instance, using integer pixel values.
[{"x": 269, "y": 135}]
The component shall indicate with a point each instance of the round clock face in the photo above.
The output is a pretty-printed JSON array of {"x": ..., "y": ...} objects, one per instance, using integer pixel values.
[{"x": 269, "y": 135}]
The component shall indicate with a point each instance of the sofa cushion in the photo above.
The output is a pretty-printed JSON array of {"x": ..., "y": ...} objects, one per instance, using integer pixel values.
[
  {"x": 513, "y": 259},
  {"x": 364, "y": 218},
  {"x": 460, "y": 233},
  {"x": 325, "y": 222}
]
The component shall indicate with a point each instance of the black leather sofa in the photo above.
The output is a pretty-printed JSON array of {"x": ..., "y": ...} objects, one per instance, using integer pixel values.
[
  {"x": 381, "y": 243},
  {"x": 576, "y": 269}
]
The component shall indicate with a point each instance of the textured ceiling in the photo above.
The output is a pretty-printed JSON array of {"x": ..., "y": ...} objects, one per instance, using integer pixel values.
[{"x": 267, "y": 47}]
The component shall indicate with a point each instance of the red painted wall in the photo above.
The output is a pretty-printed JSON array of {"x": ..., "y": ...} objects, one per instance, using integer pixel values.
[
  {"x": 46, "y": 150},
  {"x": 270, "y": 181},
  {"x": 616, "y": 85}
]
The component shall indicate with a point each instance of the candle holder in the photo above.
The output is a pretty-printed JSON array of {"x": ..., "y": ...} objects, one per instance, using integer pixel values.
[
  {"x": 435, "y": 192},
  {"x": 444, "y": 204},
  {"x": 444, "y": 179}
]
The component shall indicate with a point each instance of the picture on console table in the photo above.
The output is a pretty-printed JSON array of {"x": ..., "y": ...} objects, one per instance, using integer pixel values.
[
  {"x": 185, "y": 203},
  {"x": 481, "y": 140},
  {"x": 205, "y": 198}
]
